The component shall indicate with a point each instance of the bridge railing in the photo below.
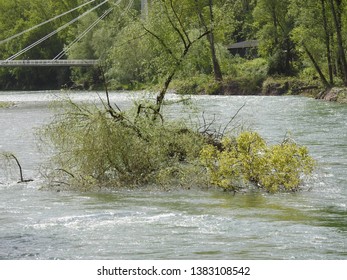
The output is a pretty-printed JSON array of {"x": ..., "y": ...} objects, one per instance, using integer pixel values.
[{"x": 60, "y": 62}]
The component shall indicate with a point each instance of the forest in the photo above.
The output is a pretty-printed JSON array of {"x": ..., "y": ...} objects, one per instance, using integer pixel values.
[{"x": 186, "y": 44}]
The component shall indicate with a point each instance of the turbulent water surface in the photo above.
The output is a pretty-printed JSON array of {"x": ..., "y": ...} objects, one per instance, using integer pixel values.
[{"x": 179, "y": 224}]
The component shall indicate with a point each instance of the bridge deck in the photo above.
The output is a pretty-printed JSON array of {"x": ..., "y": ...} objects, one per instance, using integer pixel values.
[{"x": 41, "y": 63}]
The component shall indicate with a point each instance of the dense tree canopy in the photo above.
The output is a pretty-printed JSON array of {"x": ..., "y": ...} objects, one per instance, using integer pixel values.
[{"x": 301, "y": 38}]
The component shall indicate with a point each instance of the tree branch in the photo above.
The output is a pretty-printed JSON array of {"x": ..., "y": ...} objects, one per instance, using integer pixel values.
[
  {"x": 179, "y": 21},
  {"x": 173, "y": 25},
  {"x": 161, "y": 41}
]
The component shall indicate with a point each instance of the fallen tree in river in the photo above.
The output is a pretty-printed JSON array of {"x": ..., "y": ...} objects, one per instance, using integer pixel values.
[{"x": 106, "y": 147}]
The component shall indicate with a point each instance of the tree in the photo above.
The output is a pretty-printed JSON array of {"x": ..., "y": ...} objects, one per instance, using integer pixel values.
[
  {"x": 211, "y": 38},
  {"x": 337, "y": 7},
  {"x": 274, "y": 25},
  {"x": 319, "y": 32},
  {"x": 312, "y": 37},
  {"x": 175, "y": 32},
  {"x": 216, "y": 67},
  {"x": 242, "y": 15}
]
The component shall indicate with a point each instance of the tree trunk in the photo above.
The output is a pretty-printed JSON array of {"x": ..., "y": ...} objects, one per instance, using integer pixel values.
[
  {"x": 274, "y": 18},
  {"x": 215, "y": 64},
  {"x": 288, "y": 55},
  {"x": 161, "y": 95},
  {"x": 216, "y": 67},
  {"x": 336, "y": 12},
  {"x": 327, "y": 43},
  {"x": 316, "y": 66}
]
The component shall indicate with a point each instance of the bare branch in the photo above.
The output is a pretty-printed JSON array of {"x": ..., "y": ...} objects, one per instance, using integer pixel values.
[
  {"x": 179, "y": 21},
  {"x": 65, "y": 171},
  {"x": 233, "y": 117},
  {"x": 173, "y": 24},
  {"x": 161, "y": 41},
  {"x": 9, "y": 156},
  {"x": 201, "y": 36}
]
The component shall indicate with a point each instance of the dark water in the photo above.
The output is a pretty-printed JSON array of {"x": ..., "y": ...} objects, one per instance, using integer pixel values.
[{"x": 177, "y": 224}]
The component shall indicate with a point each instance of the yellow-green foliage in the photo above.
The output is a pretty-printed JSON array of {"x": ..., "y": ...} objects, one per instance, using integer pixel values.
[
  {"x": 4, "y": 104},
  {"x": 248, "y": 159}
]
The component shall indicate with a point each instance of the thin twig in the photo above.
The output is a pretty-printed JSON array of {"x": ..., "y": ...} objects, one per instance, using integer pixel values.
[
  {"x": 233, "y": 117},
  {"x": 67, "y": 172}
]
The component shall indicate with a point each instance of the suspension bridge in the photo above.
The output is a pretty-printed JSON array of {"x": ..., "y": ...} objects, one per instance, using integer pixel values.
[
  {"x": 47, "y": 62},
  {"x": 57, "y": 61}
]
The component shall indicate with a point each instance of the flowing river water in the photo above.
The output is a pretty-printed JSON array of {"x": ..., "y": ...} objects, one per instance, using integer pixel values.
[{"x": 179, "y": 224}]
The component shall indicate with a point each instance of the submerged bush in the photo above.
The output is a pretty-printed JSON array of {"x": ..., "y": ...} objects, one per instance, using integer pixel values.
[
  {"x": 95, "y": 147},
  {"x": 248, "y": 159}
]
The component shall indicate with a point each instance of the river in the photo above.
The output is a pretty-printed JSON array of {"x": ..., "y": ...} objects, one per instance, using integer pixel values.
[{"x": 38, "y": 223}]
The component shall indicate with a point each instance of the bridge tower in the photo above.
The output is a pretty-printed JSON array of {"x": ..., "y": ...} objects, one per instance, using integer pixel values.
[{"x": 144, "y": 8}]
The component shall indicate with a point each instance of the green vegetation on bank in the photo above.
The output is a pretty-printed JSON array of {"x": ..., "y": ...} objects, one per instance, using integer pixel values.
[{"x": 305, "y": 41}]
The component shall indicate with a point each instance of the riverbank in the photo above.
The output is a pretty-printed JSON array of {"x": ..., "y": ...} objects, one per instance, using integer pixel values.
[
  {"x": 270, "y": 86},
  {"x": 336, "y": 94},
  {"x": 250, "y": 85},
  {"x": 291, "y": 86}
]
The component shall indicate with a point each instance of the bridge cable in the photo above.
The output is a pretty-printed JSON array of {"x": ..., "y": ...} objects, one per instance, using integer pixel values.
[
  {"x": 55, "y": 32},
  {"x": 86, "y": 31},
  {"x": 43, "y": 23}
]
